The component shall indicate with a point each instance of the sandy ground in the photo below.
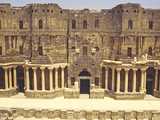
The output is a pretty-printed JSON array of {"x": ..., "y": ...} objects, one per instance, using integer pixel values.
[{"x": 19, "y": 101}]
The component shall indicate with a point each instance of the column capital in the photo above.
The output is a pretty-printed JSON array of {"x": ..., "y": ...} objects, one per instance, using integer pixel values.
[
  {"x": 106, "y": 67},
  {"x": 5, "y": 67},
  {"x": 113, "y": 67},
  {"x": 26, "y": 67},
  {"x": 134, "y": 69},
  {"x": 126, "y": 69},
  {"x": 14, "y": 66},
  {"x": 34, "y": 68},
  {"x": 56, "y": 67},
  {"x": 42, "y": 67},
  {"x": 118, "y": 69},
  {"x": 143, "y": 69},
  {"x": 50, "y": 68}
]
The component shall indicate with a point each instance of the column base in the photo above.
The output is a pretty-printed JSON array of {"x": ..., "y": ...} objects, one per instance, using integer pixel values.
[
  {"x": 71, "y": 93},
  {"x": 8, "y": 92},
  {"x": 96, "y": 93},
  {"x": 129, "y": 95},
  {"x": 44, "y": 94},
  {"x": 156, "y": 93}
]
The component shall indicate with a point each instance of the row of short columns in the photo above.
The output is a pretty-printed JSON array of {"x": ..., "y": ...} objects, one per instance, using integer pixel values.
[
  {"x": 143, "y": 79},
  {"x": 8, "y": 77},
  {"x": 43, "y": 78}
]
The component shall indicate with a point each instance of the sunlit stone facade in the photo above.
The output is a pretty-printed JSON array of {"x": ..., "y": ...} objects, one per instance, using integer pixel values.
[{"x": 47, "y": 51}]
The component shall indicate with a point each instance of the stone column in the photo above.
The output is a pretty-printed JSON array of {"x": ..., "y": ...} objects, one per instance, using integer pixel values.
[
  {"x": 6, "y": 77},
  {"x": 113, "y": 79},
  {"x": 35, "y": 78},
  {"x": 15, "y": 77},
  {"x": 62, "y": 77},
  {"x": 51, "y": 78},
  {"x": 106, "y": 79},
  {"x": 145, "y": 81},
  {"x": 10, "y": 78},
  {"x": 156, "y": 79},
  {"x": 134, "y": 80},
  {"x": 142, "y": 80},
  {"x": 56, "y": 78},
  {"x": 126, "y": 80},
  {"x": 43, "y": 78},
  {"x": 27, "y": 79},
  {"x": 118, "y": 80}
]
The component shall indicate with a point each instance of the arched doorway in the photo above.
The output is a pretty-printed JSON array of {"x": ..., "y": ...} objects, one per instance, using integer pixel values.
[
  {"x": 20, "y": 78},
  {"x": 150, "y": 80},
  {"x": 84, "y": 82}
]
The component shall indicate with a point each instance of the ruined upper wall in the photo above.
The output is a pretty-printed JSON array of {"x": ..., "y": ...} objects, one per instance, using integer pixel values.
[{"x": 55, "y": 18}]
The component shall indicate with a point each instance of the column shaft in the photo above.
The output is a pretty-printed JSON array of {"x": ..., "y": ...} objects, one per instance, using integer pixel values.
[
  {"x": 56, "y": 78},
  {"x": 113, "y": 79},
  {"x": 156, "y": 80},
  {"x": 35, "y": 78},
  {"x": 118, "y": 81},
  {"x": 106, "y": 79},
  {"x": 126, "y": 80},
  {"x": 6, "y": 77},
  {"x": 27, "y": 79},
  {"x": 143, "y": 82},
  {"x": 62, "y": 78},
  {"x": 134, "y": 80},
  {"x": 15, "y": 77},
  {"x": 51, "y": 78},
  {"x": 10, "y": 78},
  {"x": 43, "y": 79}
]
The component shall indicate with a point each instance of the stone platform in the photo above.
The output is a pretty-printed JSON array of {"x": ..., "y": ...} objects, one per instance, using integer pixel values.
[
  {"x": 8, "y": 92},
  {"x": 44, "y": 94}
]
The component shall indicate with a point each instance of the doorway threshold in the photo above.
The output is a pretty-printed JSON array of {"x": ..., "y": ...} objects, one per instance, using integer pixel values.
[{"x": 84, "y": 96}]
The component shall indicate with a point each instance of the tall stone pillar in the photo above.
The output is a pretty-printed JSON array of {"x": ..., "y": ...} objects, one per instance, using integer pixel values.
[
  {"x": 6, "y": 77},
  {"x": 143, "y": 81},
  {"x": 15, "y": 77},
  {"x": 134, "y": 80},
  {"x": 43, "y": 78},
  {"x": 10, "y": 78},
  {"x": 126, "y": 80},
  {"x": 106, "y": 79},
  {"x": 62, "y": 82},
  {"x": 156, "y": 79},
  {"x": 113, "y": 78},
  {"x": 27, "y": 79},
  {"x": 51, "y": 78},
  {"x": 118, "y": 80},
  {"x": 35, "y": 78},
  {"x": 56, "y": 78}
]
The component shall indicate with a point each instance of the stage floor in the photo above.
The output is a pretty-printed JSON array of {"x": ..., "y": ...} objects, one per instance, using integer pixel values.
[{"x": 83, "y": 103}]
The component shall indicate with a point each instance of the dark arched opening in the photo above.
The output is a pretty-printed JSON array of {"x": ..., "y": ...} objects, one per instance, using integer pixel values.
[
  {"x": 130, "y": 80},
  {"x": 122, "y": 79},
  {"x": 150, "y": 80},
  {"x": 103, "y": 77},
  {"x": 138, "y": 80},
  {"x": 84, "y": 82},
  {"x": 20, "y": 78},
  {"x": 2, "y": 81}
]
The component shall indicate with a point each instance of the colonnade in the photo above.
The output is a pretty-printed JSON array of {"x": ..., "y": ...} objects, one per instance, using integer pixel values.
[
  {"x": 10, "y": 77},
  {"x": 51, "y": 86},
  {"x": 126, "y": 83}
]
